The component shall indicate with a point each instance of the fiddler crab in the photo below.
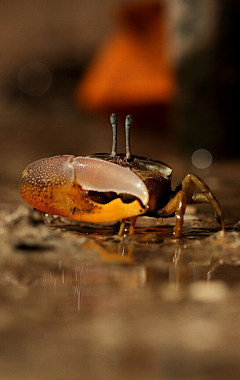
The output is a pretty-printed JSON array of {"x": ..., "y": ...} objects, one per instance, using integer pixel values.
[{"x": 109, "y": 187}]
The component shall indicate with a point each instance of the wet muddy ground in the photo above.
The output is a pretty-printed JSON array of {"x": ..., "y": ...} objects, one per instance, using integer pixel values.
[{"x": 78, "y": 302}]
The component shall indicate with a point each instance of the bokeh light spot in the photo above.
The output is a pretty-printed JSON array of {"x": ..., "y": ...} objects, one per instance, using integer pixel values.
[{"x": 202, "y": 158}]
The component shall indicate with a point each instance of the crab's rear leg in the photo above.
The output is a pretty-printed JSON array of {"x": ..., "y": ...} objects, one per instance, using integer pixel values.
[
  {"x": 206, "y": 196},
  {"x": 178, "y": 203}
]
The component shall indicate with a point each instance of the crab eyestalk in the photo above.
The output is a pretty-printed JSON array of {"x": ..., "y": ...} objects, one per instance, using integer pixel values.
[
  {"x": 113, "y": 120},
  {"x": 128, "y": 123}
]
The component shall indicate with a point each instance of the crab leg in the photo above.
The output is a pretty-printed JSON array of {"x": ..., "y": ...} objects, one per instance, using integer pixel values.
[
  {"x": 206, "y": 196},
  {"x": 131, "y": 222},
  {"x": 178, "y": 204}
]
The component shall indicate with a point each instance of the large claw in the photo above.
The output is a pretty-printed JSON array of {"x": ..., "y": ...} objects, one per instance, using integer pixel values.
[{"x": 62, "y": 185}]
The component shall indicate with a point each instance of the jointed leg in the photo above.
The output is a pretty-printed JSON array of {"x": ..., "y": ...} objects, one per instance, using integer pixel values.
[
  {"x": 206, "y": 196},
  {"x": 131, "y": 222},
  {"x": 178, "y": 204}
]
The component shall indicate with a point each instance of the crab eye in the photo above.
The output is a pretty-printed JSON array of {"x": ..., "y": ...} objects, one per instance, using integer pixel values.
[{"x": 153, "y": 166}]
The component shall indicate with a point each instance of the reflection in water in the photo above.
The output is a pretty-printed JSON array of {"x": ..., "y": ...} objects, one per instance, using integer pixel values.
[
  {"x": 150, "y": 259},
  {"x": 130, "y": 264},
  {"x": 85, "y": 282}
]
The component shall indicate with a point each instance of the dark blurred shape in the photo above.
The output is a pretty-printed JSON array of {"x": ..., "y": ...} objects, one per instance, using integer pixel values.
[
  {"x": 209, "y": 82},
  {"x": 34, "y": 78},
  {"x": 10, "y": 100},
  {"x": 133, "y": 69}
]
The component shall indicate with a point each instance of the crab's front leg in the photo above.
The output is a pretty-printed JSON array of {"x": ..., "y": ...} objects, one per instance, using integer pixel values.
[
  {"x": 185, "y": 195},
  {"x": 177, "y": 206},
  {"x": 130, "y": 224}
]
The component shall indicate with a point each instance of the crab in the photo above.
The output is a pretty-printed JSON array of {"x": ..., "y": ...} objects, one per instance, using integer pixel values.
[{"x": 110, "y": 187}]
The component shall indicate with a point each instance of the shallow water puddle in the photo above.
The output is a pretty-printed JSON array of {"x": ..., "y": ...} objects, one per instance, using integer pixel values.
[
  {"x": 151, "y": 258},
  {"x": 91, "y": 305},
  {"x": 71, "y": 256}
]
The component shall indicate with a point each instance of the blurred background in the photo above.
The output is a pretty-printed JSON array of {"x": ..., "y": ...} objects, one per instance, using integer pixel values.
[{"x": 65, "y": 66}]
